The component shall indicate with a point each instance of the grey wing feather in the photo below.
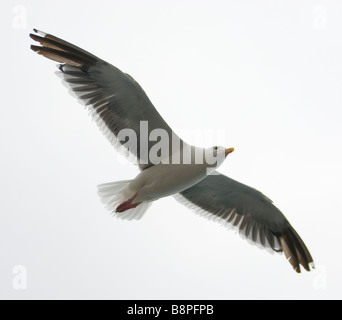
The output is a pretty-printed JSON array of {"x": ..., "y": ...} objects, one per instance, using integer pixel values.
[
  {"x": 253, "y": 213},
  {"x": 115, "y": 100}
]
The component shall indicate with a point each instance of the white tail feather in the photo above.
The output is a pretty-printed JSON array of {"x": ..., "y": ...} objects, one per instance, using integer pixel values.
[{"x": 112, "y": 196}]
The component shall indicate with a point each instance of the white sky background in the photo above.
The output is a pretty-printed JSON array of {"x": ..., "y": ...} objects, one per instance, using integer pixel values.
[{"x": 268, "y": 74}]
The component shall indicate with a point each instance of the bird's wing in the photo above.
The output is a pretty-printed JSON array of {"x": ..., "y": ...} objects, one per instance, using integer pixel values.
[
  {"x": 251, "y": 212},
  {"x": 115, "y": 100}
]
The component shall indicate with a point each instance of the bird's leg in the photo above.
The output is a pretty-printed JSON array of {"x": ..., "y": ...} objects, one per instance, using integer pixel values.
[{"x": 127, "y": 205}]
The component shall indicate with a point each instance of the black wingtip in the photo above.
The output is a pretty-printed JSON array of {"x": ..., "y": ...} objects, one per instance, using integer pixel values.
[
  {"x": 295, "y": 250},
  {"x": 35, "y": 48},
  {"x": 34, "y": 36}
]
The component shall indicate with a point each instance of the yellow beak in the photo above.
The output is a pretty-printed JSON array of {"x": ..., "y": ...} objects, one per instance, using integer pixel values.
[{"x": 228, "y": 151}]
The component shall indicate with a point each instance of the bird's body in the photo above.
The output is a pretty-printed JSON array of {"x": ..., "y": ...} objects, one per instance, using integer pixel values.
[
  {"x": 168, "y": 165},
  {"x": 165, "y": 180}
]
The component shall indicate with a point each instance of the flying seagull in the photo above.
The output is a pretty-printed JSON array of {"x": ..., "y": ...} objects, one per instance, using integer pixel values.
[{"x": 168, "y": 166}]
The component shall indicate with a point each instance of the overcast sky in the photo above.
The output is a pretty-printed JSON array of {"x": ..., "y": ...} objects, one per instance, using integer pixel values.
[{"x": 264, "y": 77}]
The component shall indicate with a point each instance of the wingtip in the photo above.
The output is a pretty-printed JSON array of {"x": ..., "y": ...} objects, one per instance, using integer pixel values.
[
  {"x": 41, "y": 33},
  {"x": 37, "y": 36},
  {"x": 308, "y": 267},
  {"x": 33, "y": 36},
  {"x": 295, "y": 251},
  {"x": 34, "y": 48},
  {"x": 294, "y": 263}
]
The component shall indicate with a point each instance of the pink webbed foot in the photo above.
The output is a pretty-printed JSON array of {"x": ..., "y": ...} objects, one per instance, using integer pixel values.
[{"x": 127, "y": 205}]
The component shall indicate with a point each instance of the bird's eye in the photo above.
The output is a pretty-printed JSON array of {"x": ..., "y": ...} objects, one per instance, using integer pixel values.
[{"x": 215, "y": 148}]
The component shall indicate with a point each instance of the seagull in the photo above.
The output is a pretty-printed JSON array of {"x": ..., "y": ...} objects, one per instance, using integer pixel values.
[{"x": 168, "y": 165}]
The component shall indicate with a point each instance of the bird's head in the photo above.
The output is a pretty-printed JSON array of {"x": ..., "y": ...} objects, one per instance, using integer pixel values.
[
  {"x": 221, "y": 151},
  {"x": 215, "y": 156}
]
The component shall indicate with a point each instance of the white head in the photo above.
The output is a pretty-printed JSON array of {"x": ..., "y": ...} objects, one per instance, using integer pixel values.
[{"x": 215, "y": 156}]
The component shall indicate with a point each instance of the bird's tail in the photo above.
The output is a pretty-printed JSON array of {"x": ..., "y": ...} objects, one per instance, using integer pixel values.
[{"x": 112, "y": 196}]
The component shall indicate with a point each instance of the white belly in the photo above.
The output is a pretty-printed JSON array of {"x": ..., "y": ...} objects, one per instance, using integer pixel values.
[{"x": 164, "y": 180}]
